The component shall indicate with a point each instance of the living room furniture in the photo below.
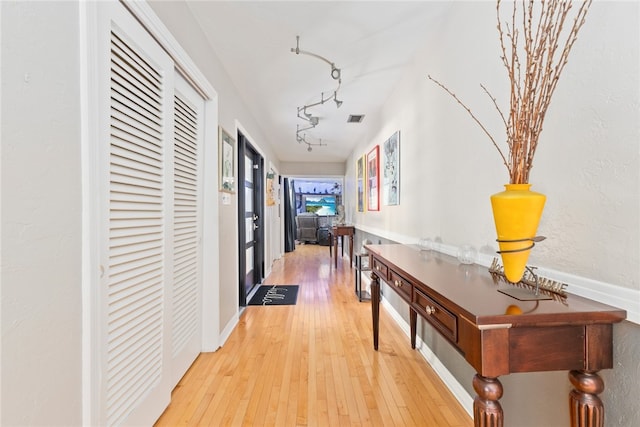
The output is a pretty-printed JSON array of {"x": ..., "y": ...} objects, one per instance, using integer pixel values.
[
  {"x": 462, "y": 303},
  {"x": 307, "y": 227},
  {"x": 341, "y": 231}
]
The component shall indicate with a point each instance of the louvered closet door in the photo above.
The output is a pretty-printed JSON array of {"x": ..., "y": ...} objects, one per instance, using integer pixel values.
[
  {"x": 137, "y": 302},
  {"x": 186, "y": 330}
]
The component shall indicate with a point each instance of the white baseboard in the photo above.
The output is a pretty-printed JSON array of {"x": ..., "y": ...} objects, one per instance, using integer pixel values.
[
  {"x": 447, "y": 378},
  {"x": 230, "y": 326}
]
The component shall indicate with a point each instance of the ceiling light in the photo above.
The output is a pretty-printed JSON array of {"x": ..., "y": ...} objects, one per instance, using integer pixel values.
[
  {"x": 314, "y": 120},
  {"x": 335, "y": 98},
  {"x": 335, "y": 72}
]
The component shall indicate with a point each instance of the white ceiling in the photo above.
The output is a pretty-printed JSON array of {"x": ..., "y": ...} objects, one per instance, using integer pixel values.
[{"x": 369, "y": 41}]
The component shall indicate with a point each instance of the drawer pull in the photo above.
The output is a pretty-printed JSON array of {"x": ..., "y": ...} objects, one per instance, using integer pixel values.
[
  {"x": 430, "y": 310},
  {"x": 398, "y": 283}
]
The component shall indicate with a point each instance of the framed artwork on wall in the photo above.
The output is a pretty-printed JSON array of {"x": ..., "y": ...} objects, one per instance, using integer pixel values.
[
  {"x": 360, "y": 183},
  {"x": 227, "y": 160},
  {"x": 391, "y": 170},
  {"x": 373, "y": 180}
]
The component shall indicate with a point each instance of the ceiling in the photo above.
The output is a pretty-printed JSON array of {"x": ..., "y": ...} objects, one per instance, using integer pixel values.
[{"x": 370, "y": 42}]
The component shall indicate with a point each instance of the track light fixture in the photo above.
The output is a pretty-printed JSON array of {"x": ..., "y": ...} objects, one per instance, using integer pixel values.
[
  {"x": 335, "y": 98},
  {"x": 336, "y": 74},
  {"x": 302, "y": 139}
]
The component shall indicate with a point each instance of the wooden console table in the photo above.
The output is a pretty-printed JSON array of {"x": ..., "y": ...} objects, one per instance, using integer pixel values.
[
  {"x": 341, "y": 231},
  {"x": 462, "y": 303}
]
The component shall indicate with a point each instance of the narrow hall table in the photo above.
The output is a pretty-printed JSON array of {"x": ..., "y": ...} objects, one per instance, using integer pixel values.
[
  {"x": 341, "y": 231},
  {"x": 462, "y": 303}
]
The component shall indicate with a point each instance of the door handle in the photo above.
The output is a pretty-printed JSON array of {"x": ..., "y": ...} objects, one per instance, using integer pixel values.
[
  {"x": 255, "y": 217},
  {"x": 255, "y": 227}
]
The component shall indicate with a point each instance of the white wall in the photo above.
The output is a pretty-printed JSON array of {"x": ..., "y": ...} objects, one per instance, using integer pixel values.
[
  {"x": 41, "y": 215},
  {"x": 587, "y": 164},
  {"x": 312, "y": 169}
]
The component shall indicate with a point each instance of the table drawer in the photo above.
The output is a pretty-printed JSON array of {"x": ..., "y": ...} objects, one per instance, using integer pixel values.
[
  {"x": 401, "y": 285},
  {"x": 439, "y": 317},
  {"x": 380, "y": 269}
]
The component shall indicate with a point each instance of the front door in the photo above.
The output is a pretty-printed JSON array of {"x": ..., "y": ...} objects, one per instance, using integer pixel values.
[{"x": 250, "y": 209}]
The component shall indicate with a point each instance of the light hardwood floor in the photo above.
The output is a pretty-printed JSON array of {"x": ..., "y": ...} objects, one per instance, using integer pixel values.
[{"x": 313, "y": 363}]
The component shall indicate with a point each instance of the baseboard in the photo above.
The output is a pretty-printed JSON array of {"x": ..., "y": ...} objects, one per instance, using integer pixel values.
[
  {"x": 228, "y": 329},
  {"x": 459, "y": 392}
]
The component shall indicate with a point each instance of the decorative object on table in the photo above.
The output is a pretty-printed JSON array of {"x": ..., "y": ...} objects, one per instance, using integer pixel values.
[
  {"x": 360, "y": 183},
  {"x": 537, "y": 30},
  {"x": 339, "y": 219},
  {"x": 467, "y": 254},
  {"x": 530, "y": 285},
  {"x": 227, "y": 166},
  {"x": 373, "y": 180},
  {"x": 365, "y": 242},
  {"x": 275, "y": 295},
  {"x": 391, "y": 173},
  {"x": 425, "y": 244}
]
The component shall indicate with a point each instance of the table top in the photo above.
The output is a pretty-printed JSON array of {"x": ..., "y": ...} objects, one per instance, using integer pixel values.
[{"x": 470, "y": 290}]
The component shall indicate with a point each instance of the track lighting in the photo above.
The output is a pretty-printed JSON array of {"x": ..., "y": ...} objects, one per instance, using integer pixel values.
[
  {"x": 336, "y": 74},
  {"x": 335, "y": 98}
]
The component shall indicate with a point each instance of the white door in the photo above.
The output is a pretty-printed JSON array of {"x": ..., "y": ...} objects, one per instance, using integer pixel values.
[
  {"x": 135, "y": 303},
  {"x": 187, "y": 205}
]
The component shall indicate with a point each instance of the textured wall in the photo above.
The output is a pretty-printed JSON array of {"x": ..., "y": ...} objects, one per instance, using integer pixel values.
[{"x": 41, "y": 215}]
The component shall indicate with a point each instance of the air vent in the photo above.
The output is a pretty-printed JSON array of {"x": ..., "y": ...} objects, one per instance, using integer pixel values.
[{"x": 355, "y": 118}]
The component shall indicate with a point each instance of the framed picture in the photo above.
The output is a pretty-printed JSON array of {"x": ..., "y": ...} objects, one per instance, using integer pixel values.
[
  {"x": 373, "y": 180},
  {"x": 360, "y": 183},
  {"x": 227, "y": 159},
  {"x": 391, "y": 170}
]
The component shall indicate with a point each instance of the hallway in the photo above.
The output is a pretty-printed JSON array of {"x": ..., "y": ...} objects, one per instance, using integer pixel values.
[{"x": 313, "y": 364}]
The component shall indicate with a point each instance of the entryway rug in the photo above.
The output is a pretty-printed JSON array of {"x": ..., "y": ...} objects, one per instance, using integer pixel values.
[{"x": 275, "y": 295}]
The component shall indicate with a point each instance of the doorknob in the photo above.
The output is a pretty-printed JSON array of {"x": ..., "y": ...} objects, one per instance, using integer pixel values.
[
  {"x": 255, "y": 217},
  {"x": 255, "y": 227}
]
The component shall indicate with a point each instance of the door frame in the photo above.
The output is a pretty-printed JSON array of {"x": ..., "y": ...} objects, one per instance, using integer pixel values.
[{"x": 244, "y": 146}]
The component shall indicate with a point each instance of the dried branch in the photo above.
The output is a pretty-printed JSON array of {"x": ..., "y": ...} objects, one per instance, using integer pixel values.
[
  {"x": 534, "y": 55},
  {"x": 473, "y": 117}
]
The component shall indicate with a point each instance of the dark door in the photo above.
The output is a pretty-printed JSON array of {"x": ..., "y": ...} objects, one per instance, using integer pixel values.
[{"x": 250, "y": 220}]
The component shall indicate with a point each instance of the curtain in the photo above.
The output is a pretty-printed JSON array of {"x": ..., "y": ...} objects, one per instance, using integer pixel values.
[{"x": 289, "y": 216}]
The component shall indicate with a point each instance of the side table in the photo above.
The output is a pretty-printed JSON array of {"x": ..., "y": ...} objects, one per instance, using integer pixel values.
[{"x": 341, "y": 231}]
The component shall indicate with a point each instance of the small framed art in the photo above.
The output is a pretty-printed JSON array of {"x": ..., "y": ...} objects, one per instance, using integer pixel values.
[
  {"x": 391, "y": 168},
  {"x": 360, "y": 183},
  {"x": 227, "y": 159},
  {"x": 373, "y": 180}
]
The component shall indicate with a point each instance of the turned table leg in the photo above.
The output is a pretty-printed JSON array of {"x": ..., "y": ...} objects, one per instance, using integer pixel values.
[
  {"x": 487, "y": 411},
  {"x": 586, "y": 407}
]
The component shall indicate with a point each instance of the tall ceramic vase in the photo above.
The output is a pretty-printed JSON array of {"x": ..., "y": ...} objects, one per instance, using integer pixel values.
[{"x": 516, "y": 212}]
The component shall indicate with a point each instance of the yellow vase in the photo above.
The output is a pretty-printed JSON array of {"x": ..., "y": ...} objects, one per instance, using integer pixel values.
[{"x": 516, "y": 212}]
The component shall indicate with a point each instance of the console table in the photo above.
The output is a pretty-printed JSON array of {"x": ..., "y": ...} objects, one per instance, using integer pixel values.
[
  {"x": 462, "y": 303},
  {"x": 341, "y": 231}
]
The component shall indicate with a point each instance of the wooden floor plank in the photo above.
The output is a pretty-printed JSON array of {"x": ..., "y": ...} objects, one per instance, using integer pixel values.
[{"x": 313, "y": 363}]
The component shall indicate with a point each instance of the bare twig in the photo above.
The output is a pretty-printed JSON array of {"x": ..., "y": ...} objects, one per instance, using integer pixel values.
[
  {"x": 536, "y": 30},
  {"x": 472, "y": 116}
]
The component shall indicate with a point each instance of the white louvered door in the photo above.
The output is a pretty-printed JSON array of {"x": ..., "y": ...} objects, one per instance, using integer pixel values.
[
  {"x": 137, "y": 258},
  {"x": 188, "y": 136}
]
